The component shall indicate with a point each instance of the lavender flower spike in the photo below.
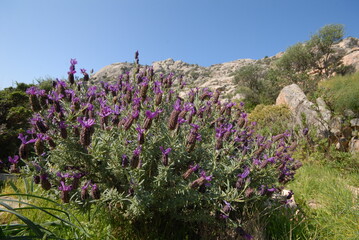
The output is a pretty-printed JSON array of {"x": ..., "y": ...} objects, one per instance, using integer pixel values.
[
  {"x": 13, "y": 160},
  {"x": 165, "y": 154},
  {"x": 86, "y": 123},
  {"x": 65, "y": 192}
]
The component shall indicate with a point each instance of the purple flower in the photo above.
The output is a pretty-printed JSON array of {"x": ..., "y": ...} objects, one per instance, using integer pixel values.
[
  {"x": 195, "y": 127},
  {"x": 165, "y": 152},
  {"x": 86, "y": 123},
  {"x": 14, "y": 160},
  {"x": 181, "y": 120},
  {"x": 95, "y": 192},
  {"x": 194, "y": 167},
  {"x": 177, "y": 105},
  {"x": 32, "y": 91},
  {"x": 62, "y": 176},
  {"x": 150, "y": 114},
  {"x": 62, "y": 124},
  {"x": 55, "y": 96},
  {"x": 305, "y": 131},
  {"x": 135, "y": 114},
  {"x": 220, "y": 132},
  {"x": 245, "y": 173},
  {"x": 207, "y": 178},
  {"x": 83, "y": 71},
  {"x": 65, "y": 188},
  {"x": 40, "y": 136},
  {"x": 243, "y": 234},
  {"x": 73, "y": 61},
  {"x": 65, "y": 192},
  {"x": 137, "y": 151},
  {"x": 105, "y": 111},
  {"x": 223, "y": 216},
  {"x": 140, "y": 136},
  {"x": 125, "y": 160},
  {"x": 24, "y": 139},
  {"x": 230, "y": 104},
  {"x": 91, "y": 91}
]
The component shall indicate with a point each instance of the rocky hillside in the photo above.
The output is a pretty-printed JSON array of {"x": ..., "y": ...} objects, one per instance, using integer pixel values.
[{"x": 218, "y": 75}]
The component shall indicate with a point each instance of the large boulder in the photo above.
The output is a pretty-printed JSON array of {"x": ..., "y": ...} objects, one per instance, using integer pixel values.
[{"x": 303, "y": 109}]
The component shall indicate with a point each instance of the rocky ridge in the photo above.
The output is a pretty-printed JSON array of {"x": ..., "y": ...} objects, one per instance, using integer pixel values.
[{"x": 218, "y": 76}]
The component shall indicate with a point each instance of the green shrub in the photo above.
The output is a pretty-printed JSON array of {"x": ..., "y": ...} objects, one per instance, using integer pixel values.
[
  {"x": 156, "y": 160},
  {"x": 342, "y": 92},
  {"x": 258, "y": 83},
  {"x": 271, "y": 119},
  {"x": 14, "y": 114}
]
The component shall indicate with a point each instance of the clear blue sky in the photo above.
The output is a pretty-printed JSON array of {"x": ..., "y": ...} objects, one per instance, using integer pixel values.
[{"x": 38, "y": 37}]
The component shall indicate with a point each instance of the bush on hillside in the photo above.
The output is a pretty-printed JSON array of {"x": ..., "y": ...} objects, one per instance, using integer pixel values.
[
  {"x": 174, "y": 167},
  {"x": 258, "y": 83},
  {"x": 271, "y": 119},
  {"x": 14, "y": 114},
  {"x": 342, "y": 92}
]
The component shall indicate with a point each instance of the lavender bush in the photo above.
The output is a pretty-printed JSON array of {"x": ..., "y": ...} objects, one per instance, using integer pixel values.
[{"x": 154, "y": 158}]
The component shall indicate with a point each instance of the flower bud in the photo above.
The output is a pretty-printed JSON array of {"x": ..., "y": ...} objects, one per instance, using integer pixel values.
[
  {"x": 51, "y": 142},
  {"x": 34, "y": 102},
  {"x": 249, "y": 192},
  {"x": 45, "y": 183},
  {"x": 219, "y": 143},
  {"x": 14, "y": 169},
  {"x": 147, "y": 123},
  {"x": 84, "y": 194},
  {"x": 241, "y": 122},
  {"x": 125, "y": 161},
  {"x": 165, "y": 160},
  {"x": 216, "y": 96},
  {"x": 36, "y": 179},
  {"x": 65, "y": 197},
  {"x": 135, "y": 161},
  {"x": 71, "y": 78},
  {"x": 158, "y": 99},
  {"x": 86, "y": 77},
  {"x": 23, "y": 151},
  {"x": 39, "y": 147},
  {"x": 143, "y": 92},
  {"x": 41, "y": 126},
  {"x": 63, "y": 133},
  {"x": 95, "y": 192},
  {"x": 85, "y": 136},
  {"x": 128, "y": 123}
]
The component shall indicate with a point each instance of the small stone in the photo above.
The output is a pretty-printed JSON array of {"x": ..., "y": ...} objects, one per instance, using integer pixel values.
[
  {"x": 349, "y": 113},
  {"x": 354, "y": 145},
  {"x": 354, "y": 122}
]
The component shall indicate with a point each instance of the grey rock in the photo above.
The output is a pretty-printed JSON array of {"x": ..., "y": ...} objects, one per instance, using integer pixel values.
[
  {"x": 336, "y": 125},
  {"x": 325, "y": 113},
  {"x": 300, "y": 106},
  {"x": 349, "y": 113},
  {"x": 354, "y": 122},
  {"x": 354, "y": 145}
]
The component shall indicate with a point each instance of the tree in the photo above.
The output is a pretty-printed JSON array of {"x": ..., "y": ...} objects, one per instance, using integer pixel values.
[
  {"x": 324, "y": 57},
  {"x": 306, "y": 62}
]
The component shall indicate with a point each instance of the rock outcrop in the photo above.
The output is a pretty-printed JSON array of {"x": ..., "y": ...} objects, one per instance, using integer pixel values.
[
  {"x": 302, "y": 109},
  {"x": 218, "y": 76},
  {"x": 349, "y": 47}
]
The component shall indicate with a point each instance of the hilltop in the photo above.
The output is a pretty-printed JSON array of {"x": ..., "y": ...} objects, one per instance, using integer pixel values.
[{"x": 220, "y": 76}]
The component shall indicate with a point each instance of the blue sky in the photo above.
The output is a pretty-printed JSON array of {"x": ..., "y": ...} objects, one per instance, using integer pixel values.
[{"x": 39, "y": 37}]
